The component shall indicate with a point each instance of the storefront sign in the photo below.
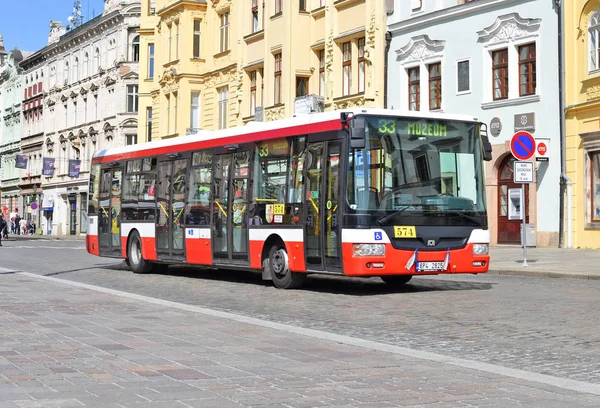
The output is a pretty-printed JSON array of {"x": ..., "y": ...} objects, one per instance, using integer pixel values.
[{"x": 525, "y": 121}]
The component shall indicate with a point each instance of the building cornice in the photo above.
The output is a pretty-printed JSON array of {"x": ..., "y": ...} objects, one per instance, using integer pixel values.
[{"x": 451, "y": 13}]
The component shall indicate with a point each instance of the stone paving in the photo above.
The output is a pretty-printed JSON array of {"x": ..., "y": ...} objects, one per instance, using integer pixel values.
[{"x": 65, "y": 346}]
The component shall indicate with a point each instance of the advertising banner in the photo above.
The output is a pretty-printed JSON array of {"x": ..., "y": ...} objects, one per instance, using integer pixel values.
[{"x": 48, "y": 166}]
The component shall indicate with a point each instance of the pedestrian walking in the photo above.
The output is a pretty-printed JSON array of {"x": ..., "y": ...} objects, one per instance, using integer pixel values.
[
  {"x": 18, "y": 224},
  {"x": 2, "y": 227},
  {"x": 23, "y": 226}
]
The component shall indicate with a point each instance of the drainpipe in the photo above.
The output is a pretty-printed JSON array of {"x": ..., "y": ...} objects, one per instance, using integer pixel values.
[
  {"x": 388, "y": 41},
  {"x": 565, "y": 181}
]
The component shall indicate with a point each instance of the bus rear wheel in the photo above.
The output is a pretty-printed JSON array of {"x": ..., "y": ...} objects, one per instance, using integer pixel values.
[
  {"x": 134, "y": 255},
  {"x": 281, "y": 275},
  {"x": 396, "y": 279}
]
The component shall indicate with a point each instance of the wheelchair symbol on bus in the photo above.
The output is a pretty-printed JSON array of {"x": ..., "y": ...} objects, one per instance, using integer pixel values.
[{"x": 378, "y": 236}]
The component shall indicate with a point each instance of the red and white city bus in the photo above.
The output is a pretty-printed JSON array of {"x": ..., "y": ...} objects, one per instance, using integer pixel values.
[{"x": 359, "y": 192}]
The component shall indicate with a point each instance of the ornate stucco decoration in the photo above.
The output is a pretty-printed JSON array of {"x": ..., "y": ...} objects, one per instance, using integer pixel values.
[
  {"x": 155, "y": 94},
  {"x": 274, "y": 113},
  {"x": 369, "y": 55},
  {"x": 509, "y": 27},
  {"x": 593, "y": 92},
  {"x": 73, "y": 94},
  {"x": 168, "y": 79},
  {"x": 350, "y": 103},
  {"x": 420, "y": 48},
  {"x": 64, "y": 98},
  {"x": 221, "y": 5}
]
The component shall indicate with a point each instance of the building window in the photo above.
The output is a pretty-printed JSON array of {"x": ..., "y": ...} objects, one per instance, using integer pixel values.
[
  {"x": 176, "y": 39},
  {"x": 168, "y": 97},
  {"x": 175, "y": 111},
  {"x": 86, "y": 61},
  {"x": 67, "y": 72},
  {"x": 195, "y": 111},
  {"x": 278, "y": 6},
  {"x": 255, "y": 16},
  {"x": 76, "y": 70},
  {"x": 224, "y": 32},
  {"x": 595, "y": 188},
  {"x": 135, "y": 49},
  {"x": 252, "y": 92},
  {"x": 132, "y": 98},
  {"x": 130, "y": 139},
  {"x": 435, "y": 86},
  {"x": 150, "y": 61},
  {"x": 594, "y": 41},
  {"x": 170, "y": 28},
  {"x": 151, "y": 7},
  {"x": 414, "y": 87},
  {"x": 149, "y": 124},
  {"x": 277, "y": 85},
  {"x": 347, "y": 68},
  {"x": 223, "y": 107},
  {"x": 500, "y": 73},
  {"x": 322, "y": 72},
  {"x": 196, "y": 49},
  {"x": 463, "y": 76},
  {"x": 301, "y": 86},
  {"x": 527, "y": 70},
  {"x": 96, "y": 61},
  {"x": 362, "y": 62},
  {"x": 302, "y": 6}
]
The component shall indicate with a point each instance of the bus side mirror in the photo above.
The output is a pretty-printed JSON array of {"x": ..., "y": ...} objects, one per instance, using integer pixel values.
[
  {"x": 358, "y": 133},
  {"x": 357, "y": 143},
  {"x": 487, "y": 148}
]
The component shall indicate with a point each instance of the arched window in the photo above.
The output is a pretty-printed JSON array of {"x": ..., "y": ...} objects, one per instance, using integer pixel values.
[
  {"x": 66, "y": 72},
  {"x": 135, "y": 48},
  {"x": 96, "y": 60},
  {"x": 86, "y": 61},
  {"x": 76, "y": 69},
  {"x": 594, "y": 41}
]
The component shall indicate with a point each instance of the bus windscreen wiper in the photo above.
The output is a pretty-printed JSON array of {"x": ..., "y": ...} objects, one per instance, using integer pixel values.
[{"x": 388, "y": 217}]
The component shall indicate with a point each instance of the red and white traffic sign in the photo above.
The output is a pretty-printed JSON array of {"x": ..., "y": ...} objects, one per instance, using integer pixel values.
[
  {"x": 542, "y": 149},
  {"x": 522, "y": 145}
]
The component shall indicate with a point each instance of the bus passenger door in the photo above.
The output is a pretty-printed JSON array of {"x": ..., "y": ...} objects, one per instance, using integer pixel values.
[
  {"x": 172, "y": 182},
  {"x": 321, "y": 206},
  {"x": 109, "y": 212},
  {"x": 230, "y": 203}
]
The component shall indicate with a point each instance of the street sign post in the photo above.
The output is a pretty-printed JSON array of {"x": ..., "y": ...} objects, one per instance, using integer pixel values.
[{"x": 523, "y": 173}]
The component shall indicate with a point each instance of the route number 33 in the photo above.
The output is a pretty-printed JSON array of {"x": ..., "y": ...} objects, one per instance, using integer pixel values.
[{"x": 386, "y": 126}]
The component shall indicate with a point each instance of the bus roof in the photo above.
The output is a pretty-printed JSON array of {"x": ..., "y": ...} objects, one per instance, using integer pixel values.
[{"x": 311, "y": 123}]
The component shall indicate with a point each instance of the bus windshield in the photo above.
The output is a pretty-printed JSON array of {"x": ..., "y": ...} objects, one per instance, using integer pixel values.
[{"x": 417, "y": 167}]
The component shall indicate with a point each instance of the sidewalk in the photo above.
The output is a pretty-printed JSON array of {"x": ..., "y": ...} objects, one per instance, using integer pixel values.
[
  {"x": 16, "y": 237},
  {"x": 66, "y": 344},
  {"x": 546, "y": 262}
]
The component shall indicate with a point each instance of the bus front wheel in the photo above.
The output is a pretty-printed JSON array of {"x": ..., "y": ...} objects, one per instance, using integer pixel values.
[
  {"x": 281, "y": 275},
  {"x": 134, "y": 255},
  {"x": 396, "y": 279}
]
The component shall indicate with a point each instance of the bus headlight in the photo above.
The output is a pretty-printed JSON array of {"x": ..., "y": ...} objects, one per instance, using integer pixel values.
[
  {"x": 369, "y": 249},
  {"x": 481, "y": 249}
]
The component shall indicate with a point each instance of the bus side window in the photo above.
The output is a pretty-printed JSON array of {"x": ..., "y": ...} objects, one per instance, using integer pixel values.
[{"x": 293, "y": 211}]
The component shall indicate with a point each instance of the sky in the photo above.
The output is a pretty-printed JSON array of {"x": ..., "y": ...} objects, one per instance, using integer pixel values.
[{"x": 26, "y": 23}]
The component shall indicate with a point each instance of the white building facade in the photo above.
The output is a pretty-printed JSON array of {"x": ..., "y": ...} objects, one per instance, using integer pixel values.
[
  {"x": 496, "y": 60},
  {"x": 11, "y": 90},
  {"x": 90, "y": 83}
]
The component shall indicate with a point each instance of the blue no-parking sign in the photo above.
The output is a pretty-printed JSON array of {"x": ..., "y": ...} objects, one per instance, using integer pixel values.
[{"x": 522, "y": 145}]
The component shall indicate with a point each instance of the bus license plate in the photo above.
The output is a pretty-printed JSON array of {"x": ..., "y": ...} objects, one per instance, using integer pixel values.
[
  {"x": 405, "y": 232},
  {"x": 430, "y": 266}
]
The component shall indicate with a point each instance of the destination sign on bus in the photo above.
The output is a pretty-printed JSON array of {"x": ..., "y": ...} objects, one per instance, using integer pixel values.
[{"x": 422, "y": 127}]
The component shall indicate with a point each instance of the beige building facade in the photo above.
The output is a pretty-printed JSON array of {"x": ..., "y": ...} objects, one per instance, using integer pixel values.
[{"x": 215, "y": 64}]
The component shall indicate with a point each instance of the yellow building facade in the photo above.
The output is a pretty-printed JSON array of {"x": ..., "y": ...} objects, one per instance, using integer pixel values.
[
  {"x": 582, "y": 101},
  {"x": 214, "y": 64}
]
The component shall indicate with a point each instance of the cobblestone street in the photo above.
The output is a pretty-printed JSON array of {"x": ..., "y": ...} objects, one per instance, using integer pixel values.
[{"x": 226, "y": 338}]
